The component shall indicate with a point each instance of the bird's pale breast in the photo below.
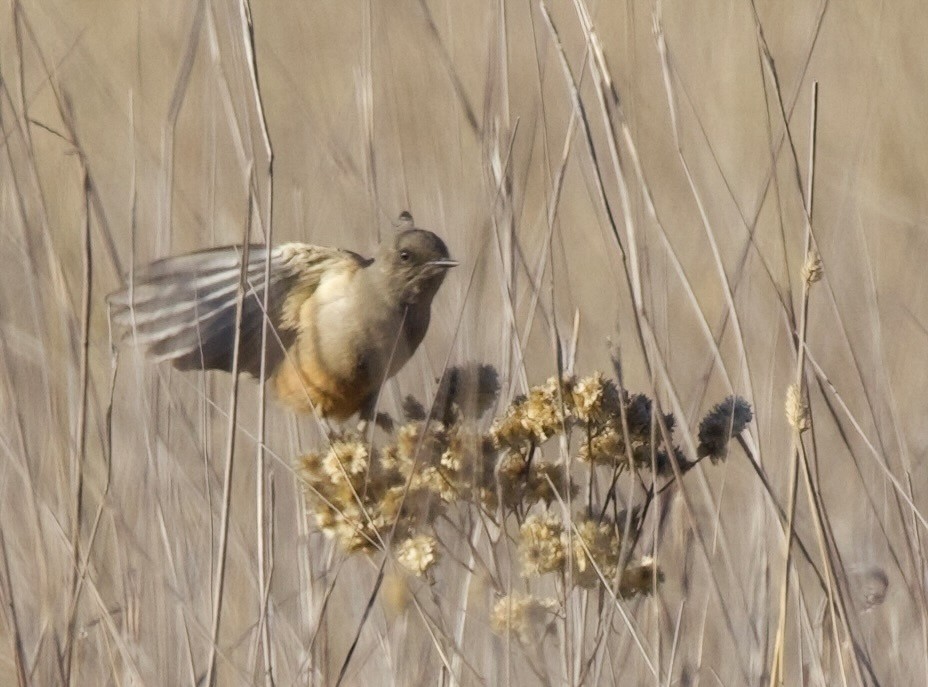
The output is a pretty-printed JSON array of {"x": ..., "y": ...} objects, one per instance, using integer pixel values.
[{"x": 348, "y": 343}]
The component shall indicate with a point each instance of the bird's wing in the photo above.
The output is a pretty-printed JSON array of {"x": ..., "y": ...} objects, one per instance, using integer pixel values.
[{"x": 183, "y": 308}]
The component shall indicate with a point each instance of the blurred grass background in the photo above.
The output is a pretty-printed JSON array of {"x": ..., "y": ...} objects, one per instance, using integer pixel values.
[{"x": 131, "y": 131}]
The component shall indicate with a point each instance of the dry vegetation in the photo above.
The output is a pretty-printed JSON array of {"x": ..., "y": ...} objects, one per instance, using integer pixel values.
[{"x": 722, "y": 204}]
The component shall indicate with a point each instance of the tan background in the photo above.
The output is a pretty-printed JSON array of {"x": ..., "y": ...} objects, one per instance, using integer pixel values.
[{"x": 373, "y": 108}]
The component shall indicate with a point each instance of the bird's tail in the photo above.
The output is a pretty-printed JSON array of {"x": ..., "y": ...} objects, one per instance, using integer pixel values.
[{"x": 183, "y": 309}]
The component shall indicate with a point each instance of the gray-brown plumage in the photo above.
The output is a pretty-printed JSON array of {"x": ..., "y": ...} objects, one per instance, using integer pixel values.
[{"x": 340, "y": 324}]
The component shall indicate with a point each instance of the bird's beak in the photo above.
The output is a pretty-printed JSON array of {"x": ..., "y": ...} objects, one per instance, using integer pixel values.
[{"x": 444, "y": 263}]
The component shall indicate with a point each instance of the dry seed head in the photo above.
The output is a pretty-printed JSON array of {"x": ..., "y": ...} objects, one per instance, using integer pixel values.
[
  {"x": 390, "y": 458},
  {"x": 512, "y": 465},
  {"x": 640, "y": 578},
  {"x": 797, "y": 410},
  {"x": 587, "y": 395},
  {"x": 726, "y": 420},
  {"x": 451, "y": 460},
  {"x": 596, "y": 542},
  {"x": 437, "y": 482},
  {"x": 313, "y": 479},
  {"x": 345, "y": 457},
  {"x": 348, "y": 526},
  {"x": 418, "y": 445},
  {"x": 541, "y": 544},
  {"x": 541, "y": 418},
  {"x": 407, "y": 439},
  {"x": 812, "y": 269},
  {"x": 352, "y": 538},
  {"x": 522, "y": 615},
  {"x": 392, "y": 500},
  {"x": 605, "y": 448},
  {"x": 532, "y": 419},
  {"x": 638, "y": 413},
  {"x": 466, "y": 391},
  {"x": 406, "y": 506},
  {"x": 541, "y": 476},
  {"x": 512, "y": 473},
  {"x": 413, "y": 411},
  {"x": 664, "y": 460},
  {"x": 418, "y": 554},
  {"x": 507, "y": 429}
]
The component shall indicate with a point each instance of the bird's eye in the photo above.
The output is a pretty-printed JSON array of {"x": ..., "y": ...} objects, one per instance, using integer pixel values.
[{"x": 404, "y": 255}]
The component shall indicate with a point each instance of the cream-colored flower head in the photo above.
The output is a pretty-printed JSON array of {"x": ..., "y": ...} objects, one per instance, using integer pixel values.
[
  {"x": 595, "y": 546},
  {"x": 546, "y": 481},
  {"x": 522, "y": 615},
  {"x": 541, "y": 544},
  {"x": 532, "y": 419},
  {"x": 812, "y": 270},
  {"x": 797, "y": 410},
  {"x": 604, "y": 448},
  {"x": 418, "y": 554},
  {"x": 347, "y": 457}
]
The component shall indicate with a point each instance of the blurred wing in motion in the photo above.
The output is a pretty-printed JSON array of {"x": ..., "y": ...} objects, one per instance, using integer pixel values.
[{"x": 182, "y": 309}]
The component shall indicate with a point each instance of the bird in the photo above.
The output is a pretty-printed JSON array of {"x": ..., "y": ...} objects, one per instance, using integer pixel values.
[{"x": 339, "y": 324}]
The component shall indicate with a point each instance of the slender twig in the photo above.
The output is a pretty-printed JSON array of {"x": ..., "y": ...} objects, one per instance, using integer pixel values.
[
  {"x": 80, "y": 442},
  {"x": 777, "y": 669},
  {"x": 225, "y": 516},
  {"x": 262, "y": 525}
]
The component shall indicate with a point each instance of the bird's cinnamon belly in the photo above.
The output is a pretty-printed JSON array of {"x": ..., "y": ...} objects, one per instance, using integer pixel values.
[
  {"x": 346, "y": 348},
  {"x": 323, "y": 370},
  {"x": 303, "y": 384}
]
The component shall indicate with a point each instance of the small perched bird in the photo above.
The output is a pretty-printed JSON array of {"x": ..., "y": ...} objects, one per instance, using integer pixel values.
[{"x": 339, "y": 325}]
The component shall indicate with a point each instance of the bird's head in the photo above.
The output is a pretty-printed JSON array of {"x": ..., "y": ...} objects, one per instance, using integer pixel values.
[{"x": 415, "y": 263}]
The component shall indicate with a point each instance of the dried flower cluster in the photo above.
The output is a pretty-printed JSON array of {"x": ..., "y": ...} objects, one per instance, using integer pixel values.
[
  {"x": 640, "y": 577},
  {"x": 797, "y": 410},
  {"x": 391, "y": 494},
  {"x": 590, "y": 551},
  {"x": 366, "y": 496},
  {"x": 726, "y": 420},
  {"x": 616, "y": 428},
  {"x": 418, "y": 554},
  {"x": 522, "y": 615},
  {"x": 542, "y": 545},
  {"x": 812, "y": 269},
  {"x": 593, "y": 550}
]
